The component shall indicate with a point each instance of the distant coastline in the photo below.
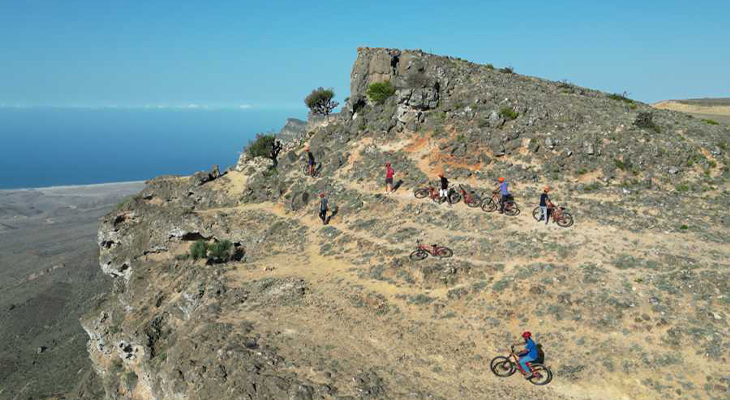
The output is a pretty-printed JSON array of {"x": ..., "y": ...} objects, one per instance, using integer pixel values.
[{"x": 104, "y": 185}]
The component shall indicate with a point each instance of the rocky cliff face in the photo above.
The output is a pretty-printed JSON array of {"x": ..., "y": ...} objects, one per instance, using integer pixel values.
[
  {"x": 293, "y": 130},
  {"x": 630, "y": 302}
]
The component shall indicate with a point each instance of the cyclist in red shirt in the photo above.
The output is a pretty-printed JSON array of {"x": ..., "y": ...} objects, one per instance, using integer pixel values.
[{"x": 388, "y": 178}]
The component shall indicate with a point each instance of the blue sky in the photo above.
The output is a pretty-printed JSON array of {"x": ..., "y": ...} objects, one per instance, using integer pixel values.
[{"x": 270, "y": 54}]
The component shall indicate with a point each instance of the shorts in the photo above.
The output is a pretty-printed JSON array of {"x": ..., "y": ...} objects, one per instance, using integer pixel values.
[{"x": 389, "y": 181}]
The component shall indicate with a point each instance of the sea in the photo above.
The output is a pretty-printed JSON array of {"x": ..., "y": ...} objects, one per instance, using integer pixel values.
[{"x": 42, "y": 147}]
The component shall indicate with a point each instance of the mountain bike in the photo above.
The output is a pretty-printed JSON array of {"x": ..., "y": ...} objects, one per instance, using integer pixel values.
[
  {"x": 434, "y": 194},
  {"x": 558, "y": 214},
  {"x": 506, "y": 366},
  {"x": 470, "y": 199},
  {"x": 434, "y": 250},
  {"x": 495, "y": 202}
]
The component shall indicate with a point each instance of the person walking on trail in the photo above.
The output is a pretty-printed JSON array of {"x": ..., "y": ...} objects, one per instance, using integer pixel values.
[
  {"x": 504, "y": 191},
  {"x": 388, "y": 178},
  {"x": 310, "y": 161},
  {"x": 529, "y": 354},
  {"x": 444, "y": 192},
  {"x": 544, "y": 204},
  {"x": 323, "y": 207}
]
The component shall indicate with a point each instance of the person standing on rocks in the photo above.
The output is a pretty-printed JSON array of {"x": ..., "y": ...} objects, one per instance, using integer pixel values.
[
  {"x": 544, "y": 204},
  {"x": 323, "y": 207},
  {"x": 389, "y": 178},
  {"x": 310, "y": 161},
  {"x": 444, "y": 192},
  {"x": 504, "y": 191}
]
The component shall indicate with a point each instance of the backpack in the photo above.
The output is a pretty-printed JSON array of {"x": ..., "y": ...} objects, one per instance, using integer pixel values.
[{"x": 540, "y": 355}]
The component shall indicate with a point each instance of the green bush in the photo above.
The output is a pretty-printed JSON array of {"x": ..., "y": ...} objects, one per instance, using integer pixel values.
[
  {"x": 681, "y": 188},
  {"x": 220, "y": 251},
  {"x": 622, "y": 97},
  {"x": 379, "y": 92},
  {"x": 261, "y": 147},
  {"x": 507, "y": 70},
  {"x": 508, "y": 113},
  {"x": 710, "y": 122},
  {"x": 199, "y": 249},
  {"x": 490, "y": 66},
  {"x": 320, "y": 101},
  {"x": 620, "y": 164}
]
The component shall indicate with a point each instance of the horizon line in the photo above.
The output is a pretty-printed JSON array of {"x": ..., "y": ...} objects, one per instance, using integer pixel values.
[{"x": 152, "y": 107}]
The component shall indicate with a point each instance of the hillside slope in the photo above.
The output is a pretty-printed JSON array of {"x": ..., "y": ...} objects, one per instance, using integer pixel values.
[
  {"x": 631, "y": 302},
  {"x": 717, "y": 110}
]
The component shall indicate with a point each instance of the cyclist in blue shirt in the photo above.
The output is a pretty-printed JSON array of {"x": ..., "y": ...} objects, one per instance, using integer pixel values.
[
  {"x": 504, "y": 191},
  {"x": 529, "y": 354}
]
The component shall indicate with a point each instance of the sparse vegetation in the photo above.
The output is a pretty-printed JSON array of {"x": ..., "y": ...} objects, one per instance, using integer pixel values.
[
  {"x": 710, "y": 122},
  {"x": 624, "y": 98},
  {"x": 261, "y": 146},
  {"x": 199, "y": 250},
  {"x": 508, "y": 113},
  {"x": 490, "y": 66},
  {"x": 645, "y": 120},
  {"x": 131, "y": 379},
  {"x": 220, "y": 251},
  {"x": 320, "y": 101},
  {"x": 379, "y": 92},
  {"x": 507, "y": 70}
]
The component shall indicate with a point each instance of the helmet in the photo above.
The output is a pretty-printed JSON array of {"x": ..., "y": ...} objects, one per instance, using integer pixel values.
[
  {"x": 321, "y": 195},
  {"x": 441, "y": 174},
  {"x": 546, "y": 188},
  {"x": 306, "y": 148},
  {"x": 526, "y": 334},
  {"x": 501, "y": 179}
]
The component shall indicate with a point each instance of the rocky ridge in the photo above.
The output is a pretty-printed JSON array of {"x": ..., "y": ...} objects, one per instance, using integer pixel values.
[{"x": 631, "y": 302}]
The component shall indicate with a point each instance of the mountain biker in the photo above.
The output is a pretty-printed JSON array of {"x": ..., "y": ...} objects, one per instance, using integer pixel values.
[
  {"x": 388, "y": 178},
  {"x": 310, "y": 161},
  {"x": 444, "y": 192},
  {"x": 544, "y": 204},
  {"x": 504, "y": 191},
  {"x": 529, "y": 354},
  {"x": 323, "y": 207}
]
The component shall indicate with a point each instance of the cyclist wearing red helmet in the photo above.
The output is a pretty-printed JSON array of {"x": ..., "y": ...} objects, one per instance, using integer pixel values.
[
  {"x": 529, "y": 354},
  {"x": 504, "y": 191}
]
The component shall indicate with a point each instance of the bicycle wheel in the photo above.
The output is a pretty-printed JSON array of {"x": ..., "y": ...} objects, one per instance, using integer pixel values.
[
  {"x": 419, "y": 255},
  {"x": 475, "y": 202},
  {"x": 537, "y": 213},
  {"x": 489, "y": 205},
  {"x": 420, "y": 193},
  {"x": 444, "y": 252},
  {"x": 512, "y": 209},
  {"x": 541, "y": 375},
  {"x": 454, "y": 198},
  {"x": 565, "y": 220},
  {"x": 502, "y": 366}
]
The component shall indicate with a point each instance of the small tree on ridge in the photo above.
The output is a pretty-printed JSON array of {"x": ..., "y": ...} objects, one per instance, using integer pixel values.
[{"x": 320, "y": 101}]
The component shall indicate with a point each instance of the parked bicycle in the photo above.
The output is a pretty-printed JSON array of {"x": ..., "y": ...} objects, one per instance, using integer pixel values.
[
  {"x": 507, "y": 366},
  {"x": 495, "y": 202},
  {"x": 558, "y": 214},
  {"x": 434, "y": 250},
  {"x": 434, "y": 195},
  {"x": 470, "y": 198}
]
